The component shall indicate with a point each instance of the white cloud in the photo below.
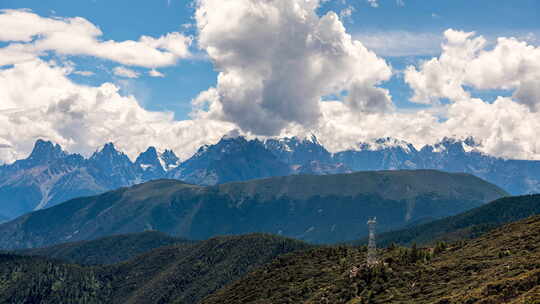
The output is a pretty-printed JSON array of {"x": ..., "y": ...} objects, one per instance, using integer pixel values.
[
  {"x": 271, "y": 76},
  {"x": 32, "y": 35},
  {"x": 84, "y": 73},
  {"x": 155, "y": 73},
  {"x": 347, "y": 12},
  {"x": 125, "y": 72},
  {"x": 465, "y": 61},
  {"x": 504, "y": 128},
  {"x": 400, "y": 3},
  {"x": 38, "y": 100},
  {"x": 373, "y": 3},
  {"x": 401, "y": 43}
]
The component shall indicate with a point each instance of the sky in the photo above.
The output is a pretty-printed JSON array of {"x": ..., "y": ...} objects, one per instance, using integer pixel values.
[{"x": 179, "y": 74}]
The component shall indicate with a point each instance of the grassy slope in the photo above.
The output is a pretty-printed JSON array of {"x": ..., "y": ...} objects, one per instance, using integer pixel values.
[
  {"x": 466, "y": 225},
  {"x": 313, "y": 208},
  {"x": 500, "y": 267},
  {"x": 170, "y": 274},
  {"x": 108, "y": 250},
  {"x": 394, "y": 185}
]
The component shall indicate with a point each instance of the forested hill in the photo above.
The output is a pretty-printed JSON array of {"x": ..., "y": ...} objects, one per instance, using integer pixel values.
[
  {"x": 108, "y": 250},
  {"x": 173, "y": 274},
  {"x": 501, "y": 267}
]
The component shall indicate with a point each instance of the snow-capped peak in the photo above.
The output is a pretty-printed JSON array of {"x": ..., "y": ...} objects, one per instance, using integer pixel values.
[
  {"x": 468, "y": 144},
  {"x": 168, "y": 160},
  {"x": 386, "y": 143}
]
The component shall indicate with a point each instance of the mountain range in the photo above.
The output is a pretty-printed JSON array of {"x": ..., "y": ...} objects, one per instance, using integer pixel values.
[
  {"x": 313, "y": 208},
  {"x": 50, "y": 175}
]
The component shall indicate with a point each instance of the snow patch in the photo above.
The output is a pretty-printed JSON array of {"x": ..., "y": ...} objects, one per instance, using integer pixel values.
[
  {"x": 145, "y": 166},
  {"x": 385, "y": 143}
]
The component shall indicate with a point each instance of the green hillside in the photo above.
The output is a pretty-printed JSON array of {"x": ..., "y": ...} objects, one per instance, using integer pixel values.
[
  {"x": 173, "y": 274},
  {"x": 318, "y": 209},
  {"x": 466, "y": 225},
  {"x": 108, "y": 250},
  {"x": 500, "y": 267}
]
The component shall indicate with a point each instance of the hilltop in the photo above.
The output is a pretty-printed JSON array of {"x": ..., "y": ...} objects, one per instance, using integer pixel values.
[{"x": 502, "y": 266}]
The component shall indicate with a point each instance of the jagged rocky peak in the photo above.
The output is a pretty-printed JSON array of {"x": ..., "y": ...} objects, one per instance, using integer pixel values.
[
  {"x": 108, "y": 149},
  {"x": 314, "y": 139},
  {"x": 232, "y": 138},
  {"x": 385, "y": 143},
  {"x": 45, "y": 151},
  {"x": 290, "y": 143},
  {"x": 455, "y": 145},
  {"x": 169, "y": 160},
  {"x": 471, "y": 142},
  {"x": 232, "y": 144},
  {"x": 109, "y": 154},
  {"x": 149, "y": 159}
]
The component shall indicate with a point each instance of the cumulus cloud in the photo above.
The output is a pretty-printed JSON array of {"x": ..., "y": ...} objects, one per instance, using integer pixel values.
[
  {"x": 31, "y": 35},
  {"x": 504, "y": 128},
  {"x": 278, "y": 58},
  {"x": 38, "y": 100},
  {"x": 125, "y": 72},
  {"x": 465, "y": 61}
]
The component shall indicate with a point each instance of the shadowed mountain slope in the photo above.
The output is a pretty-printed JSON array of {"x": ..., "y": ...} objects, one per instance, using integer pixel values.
[
  {"x": 107, "y": 250},
  {"x": 173, "y": 274},
  {"x": 466, "y": 225},
  {"x": 329, "y": 208}
]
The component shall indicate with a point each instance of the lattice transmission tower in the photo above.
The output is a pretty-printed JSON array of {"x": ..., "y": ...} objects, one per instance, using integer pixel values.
[{"x": 372, "y": 245}]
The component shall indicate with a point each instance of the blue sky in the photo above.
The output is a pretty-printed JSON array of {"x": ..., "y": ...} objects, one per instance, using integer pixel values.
[{"x": 128, "y": 20}]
